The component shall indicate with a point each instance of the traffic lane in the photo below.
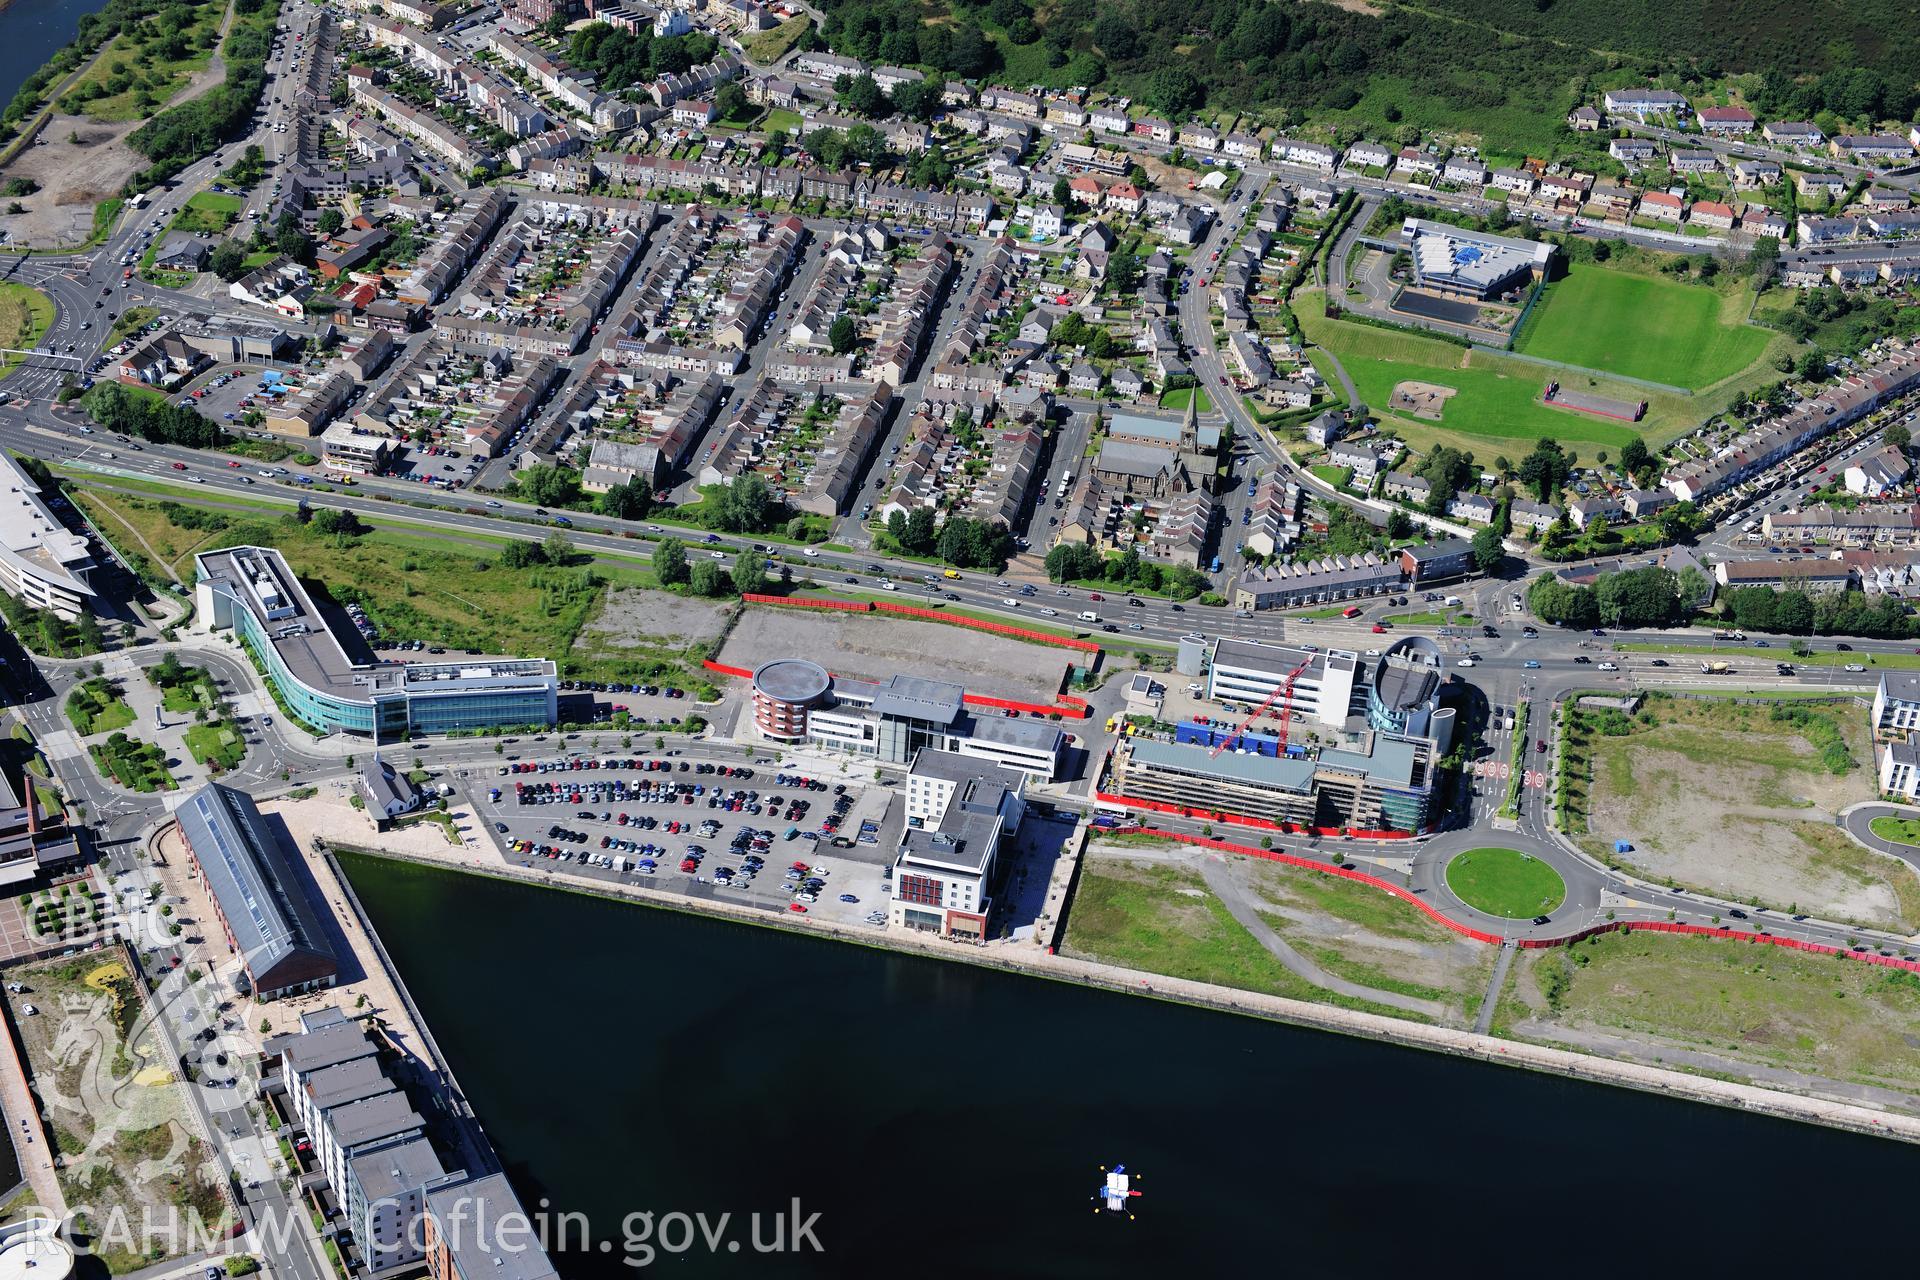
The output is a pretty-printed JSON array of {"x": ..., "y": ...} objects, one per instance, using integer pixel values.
[
  {"x": 1157, "y": 620},
  {"x": 1858, "y": 823}
]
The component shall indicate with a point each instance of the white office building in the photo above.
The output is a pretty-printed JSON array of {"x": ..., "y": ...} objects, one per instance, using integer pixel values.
[
  {"x": 1324, "y": 682},
  {"x": 895, "y": 720},
  {"x": 958, "y": 817},
  {"x": 1900, "y": 768},
  {"x": 42, "y": 562}
]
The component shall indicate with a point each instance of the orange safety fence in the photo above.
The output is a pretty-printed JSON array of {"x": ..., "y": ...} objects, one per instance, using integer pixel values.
[{"x": 1066, "y": 708}]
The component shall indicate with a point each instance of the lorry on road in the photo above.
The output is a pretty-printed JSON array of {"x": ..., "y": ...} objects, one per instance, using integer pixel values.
[{"x": 1715, "y": 668}]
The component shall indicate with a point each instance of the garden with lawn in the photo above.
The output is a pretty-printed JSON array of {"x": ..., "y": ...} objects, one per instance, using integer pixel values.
[
  {"x": 183, "y": 689},
  {"x": 1505, "y": 882},
  {"x": 219, "y": 746},
  {"x": 207, "y": 213},
  {"x": 1180, "y": 397},
  {"x": 133, "y": 763},
  {"x": 96, "y": 707}
]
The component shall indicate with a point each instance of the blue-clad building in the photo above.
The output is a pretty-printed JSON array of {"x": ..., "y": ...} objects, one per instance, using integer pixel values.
[{"x": 325, "y": 678}]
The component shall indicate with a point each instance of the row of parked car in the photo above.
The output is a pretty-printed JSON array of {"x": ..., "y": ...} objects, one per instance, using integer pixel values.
[
  {"x": 640, "y": 764},
  {"x": 616, "y": 686},
  {"x": 615, "y": 790}
]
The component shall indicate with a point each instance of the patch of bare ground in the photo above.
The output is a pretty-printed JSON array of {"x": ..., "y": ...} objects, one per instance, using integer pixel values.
[
  {"x": 1733, "y": 803},
  {"x": 82, "y": 163}
]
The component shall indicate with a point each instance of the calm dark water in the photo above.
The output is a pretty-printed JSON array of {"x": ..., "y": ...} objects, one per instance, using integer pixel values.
[
  {"x": 949, "y": 1121},
  {"x": 30, "y": 31}
]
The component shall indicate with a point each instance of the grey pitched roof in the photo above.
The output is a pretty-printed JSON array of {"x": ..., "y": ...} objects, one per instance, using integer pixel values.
[
  {"x": 321, "y": 1046},
  {"x": 1121, "y": 458},
  {"x": 347, "y": 1082},
  {"x": 386, "y": 1115},
  {"x": 254, "y": 882}
]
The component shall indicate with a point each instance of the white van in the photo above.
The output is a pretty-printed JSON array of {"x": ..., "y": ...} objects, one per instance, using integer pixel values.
[{"x": 1089, "y": 616}]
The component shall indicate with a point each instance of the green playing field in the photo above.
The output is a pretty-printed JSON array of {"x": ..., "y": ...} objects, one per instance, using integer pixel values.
[{"x": 1685, "y": 335}]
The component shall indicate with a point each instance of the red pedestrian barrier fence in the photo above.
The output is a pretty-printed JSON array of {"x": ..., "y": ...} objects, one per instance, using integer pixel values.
[
  {"x": 1729, "y": 935},
  {"x": 844, "y": 606},
  {"x": 1535, "y": 944},
  {"x": 998, "y": 628},
  {"x": 1027, "y": 708},
  {"x": 1240, "y": 820},
  {"x": 972, "y": 699},
  {"x": 1344, "y": 873},
  {"x": 932, "y": 615}
]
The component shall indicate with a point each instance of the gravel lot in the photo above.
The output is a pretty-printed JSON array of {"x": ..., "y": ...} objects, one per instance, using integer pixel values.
[
  {"x": 633, "y": 616},
  {"x": 72, "y": 177},
  {"x": 873, "y": 647}
]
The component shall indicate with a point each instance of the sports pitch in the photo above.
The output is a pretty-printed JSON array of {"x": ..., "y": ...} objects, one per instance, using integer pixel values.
[
  {"x": 1497, "y": 398},
  {"x": 1684, "y": 335}
]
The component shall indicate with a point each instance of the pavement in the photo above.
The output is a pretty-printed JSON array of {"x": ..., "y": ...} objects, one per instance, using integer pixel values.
[{"x": 1228, "y": 889}]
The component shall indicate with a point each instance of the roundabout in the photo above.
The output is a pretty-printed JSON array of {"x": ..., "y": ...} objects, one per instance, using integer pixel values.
[{"x": 1505, "y": 882}]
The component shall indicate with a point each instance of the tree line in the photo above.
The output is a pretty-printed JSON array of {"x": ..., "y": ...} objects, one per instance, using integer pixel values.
[
  {"x": 1078, "y": 562},
  {"x": 962, "y": 541},
  {"x": 1657, "y": 597},
  {"x": 1177, "y": 55},
  {"x": 152, "y": 417}
]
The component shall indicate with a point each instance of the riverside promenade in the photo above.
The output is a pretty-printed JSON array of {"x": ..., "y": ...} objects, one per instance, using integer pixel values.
[{"x": 1034, "y": 958}]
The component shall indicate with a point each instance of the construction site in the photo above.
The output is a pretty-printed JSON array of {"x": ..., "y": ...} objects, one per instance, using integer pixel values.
[{"x": 1293, "y": 739}]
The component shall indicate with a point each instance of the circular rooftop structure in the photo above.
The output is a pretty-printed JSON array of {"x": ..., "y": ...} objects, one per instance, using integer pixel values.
[
  {"x": 32, "y": 1250},
  {"x": 795, "y": 681},
  {"x": 1406, "y": 680},
  {"x": 1407, "y": 674}
]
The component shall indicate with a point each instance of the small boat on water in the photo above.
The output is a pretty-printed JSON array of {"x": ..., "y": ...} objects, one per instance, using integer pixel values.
[{"x": 1114, "y": 1197}]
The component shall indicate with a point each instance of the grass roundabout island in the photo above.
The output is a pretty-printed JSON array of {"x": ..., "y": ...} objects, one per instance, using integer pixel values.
[
  {"x": 1896, "y": 830},
  {"x": 1505, "y": 882}
]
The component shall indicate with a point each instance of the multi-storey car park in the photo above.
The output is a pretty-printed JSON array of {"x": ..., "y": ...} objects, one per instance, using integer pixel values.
[
  {"x": 1390, "y": 723},
  {"x": 319, "y": 673}
]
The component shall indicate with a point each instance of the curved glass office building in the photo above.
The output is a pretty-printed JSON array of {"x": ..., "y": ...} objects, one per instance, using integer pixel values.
[
  {"x": 321, "y": 680},
  {"x": 1406, "y": 678}
]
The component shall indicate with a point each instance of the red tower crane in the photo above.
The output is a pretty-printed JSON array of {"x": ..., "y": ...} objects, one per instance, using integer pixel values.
[{"x": 1285, "y": 687}]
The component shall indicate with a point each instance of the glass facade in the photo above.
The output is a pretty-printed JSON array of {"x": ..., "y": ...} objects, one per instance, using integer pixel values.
[
  {"x": 400, "y": 711},
  {"x": 318, "y": 710}
]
